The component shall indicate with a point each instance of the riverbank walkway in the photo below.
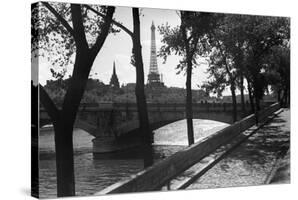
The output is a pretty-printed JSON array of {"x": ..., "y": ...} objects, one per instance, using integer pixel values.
[{"x": 262, "y": 158}]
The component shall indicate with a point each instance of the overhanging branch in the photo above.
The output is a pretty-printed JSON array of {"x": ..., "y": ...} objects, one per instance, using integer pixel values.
[
  {"x": 78, "y": 26},
  {"x": 104, "y": 31},
  {"x": 49, "y": 105},
  {"x": 113, "y": 21},
  {"x": 59, "y": 17}
]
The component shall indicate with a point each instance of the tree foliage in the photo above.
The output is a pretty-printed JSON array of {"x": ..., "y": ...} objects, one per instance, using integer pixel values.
[
  {"x": 52, "y": 33},
  {"x": 197, "y": 28},
  {"x": 245, "y": 41},
  {"x": 262, "y": 34},
  {"x": 277, "y": 70}
]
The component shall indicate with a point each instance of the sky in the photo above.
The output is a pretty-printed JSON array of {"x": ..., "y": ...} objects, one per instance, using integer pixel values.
[{"x": 118, "y": 47}]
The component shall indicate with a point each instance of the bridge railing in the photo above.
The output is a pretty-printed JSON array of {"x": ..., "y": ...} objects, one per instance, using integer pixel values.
[{"x": 154, "y": 177}]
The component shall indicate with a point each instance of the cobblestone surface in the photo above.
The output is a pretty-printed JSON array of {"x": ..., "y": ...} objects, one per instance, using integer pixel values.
[{"x": 254, "y": 160}]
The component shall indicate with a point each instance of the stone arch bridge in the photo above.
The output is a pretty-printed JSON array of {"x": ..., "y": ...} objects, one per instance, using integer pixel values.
[
  {"x": 115, "y": 125},
  {"x": 119, "y": 119}
]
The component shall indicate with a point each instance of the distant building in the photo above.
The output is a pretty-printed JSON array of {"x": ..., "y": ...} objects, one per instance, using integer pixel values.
[
  {"x": 114, "y": 82},
  {"x": 154, "y": 78},
  {"x": 129, "y": 87}
]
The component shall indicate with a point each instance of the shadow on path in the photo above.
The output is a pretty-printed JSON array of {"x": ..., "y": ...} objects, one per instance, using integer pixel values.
[{"x": 253, "y": 161}]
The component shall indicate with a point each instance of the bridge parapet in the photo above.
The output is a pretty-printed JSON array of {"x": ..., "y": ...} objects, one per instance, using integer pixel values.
[{"x": 117, "y": 119}]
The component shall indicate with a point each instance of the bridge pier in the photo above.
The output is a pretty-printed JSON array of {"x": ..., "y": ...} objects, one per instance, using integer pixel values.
[{"x": 104, "y": 145}]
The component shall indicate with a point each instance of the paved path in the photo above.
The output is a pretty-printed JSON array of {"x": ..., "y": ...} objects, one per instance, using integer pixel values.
[{"x": 263, "y": 158}]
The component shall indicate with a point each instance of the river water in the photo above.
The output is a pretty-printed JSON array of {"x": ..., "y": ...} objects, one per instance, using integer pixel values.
[{"x": 93, "y": 175}]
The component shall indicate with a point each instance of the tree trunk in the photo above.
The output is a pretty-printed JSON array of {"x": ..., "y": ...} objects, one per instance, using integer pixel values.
[
  {"x": 257, "y": 101},
  {"x": 282, "y": 98},
  {"x": 251, "y": 100},
  {"x": 289, "y": 97},
  {"x": 190, "y": 48},
  {"x": 64, "y": 159},
  {"x": 64, "y": 128},
  {"x": 140, "y": 92},
  {"x": 189, "y": 113},
  {"x": 278, "y": 96},
  {"x": 233, "y": 88},
  {"x": 63, "y": 147},
  {"x": 63, "y": 122},
  {"x": 243, "y": 110},
  {"x": 286, "y": 97}
]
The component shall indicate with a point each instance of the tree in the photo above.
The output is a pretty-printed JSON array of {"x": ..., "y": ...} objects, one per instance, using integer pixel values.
[
  {"x": 137, "y": 62},
  {"x": 51, "y": 31},
  {"x": 222, "y": 74},
  {"x": 234, "y": 41},
  {"x": 189, "y": 40},
  {"x": 278, "y": 72},
  {"x": 245, "y": 41},
  {"x": 261, "y": 33},
  {"x": 226, "y": 60}
]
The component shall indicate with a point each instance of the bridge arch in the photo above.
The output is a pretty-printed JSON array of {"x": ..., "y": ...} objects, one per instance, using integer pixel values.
[{"x": 79, "y": 124}]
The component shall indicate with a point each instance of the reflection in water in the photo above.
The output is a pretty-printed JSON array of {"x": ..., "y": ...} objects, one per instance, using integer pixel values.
[{"x": 93, "y": 175}]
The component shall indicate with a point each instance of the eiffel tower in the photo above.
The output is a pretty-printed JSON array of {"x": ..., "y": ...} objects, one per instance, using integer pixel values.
[{"x": 154, "y": 78}]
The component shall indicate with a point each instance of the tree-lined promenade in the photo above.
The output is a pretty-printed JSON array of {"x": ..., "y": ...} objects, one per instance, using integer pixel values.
[{"x": 245, "y": 53}]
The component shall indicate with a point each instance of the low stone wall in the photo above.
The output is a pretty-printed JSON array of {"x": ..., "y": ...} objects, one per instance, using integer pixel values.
[{"x": 160, "y": 173}]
